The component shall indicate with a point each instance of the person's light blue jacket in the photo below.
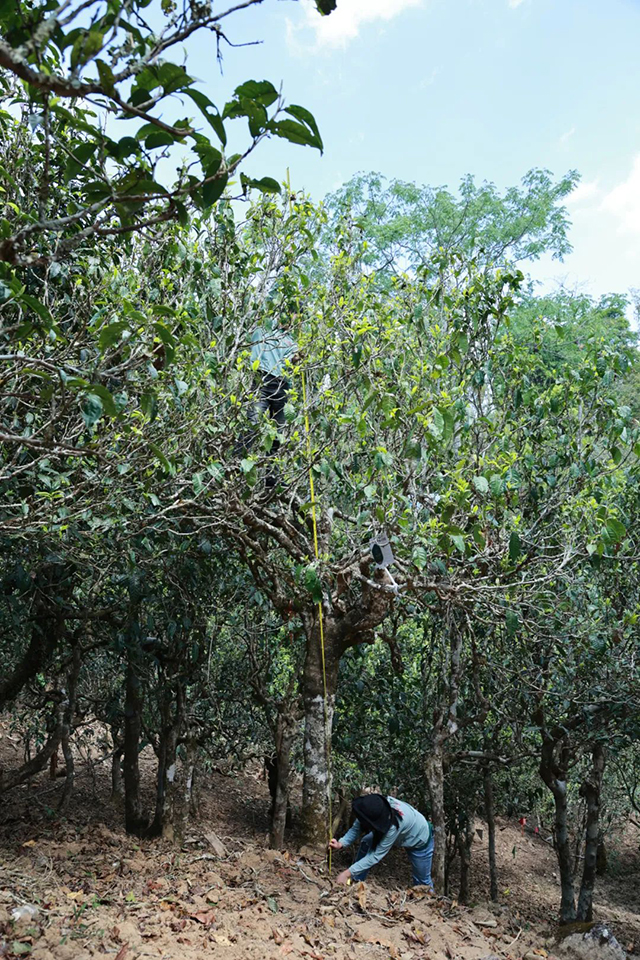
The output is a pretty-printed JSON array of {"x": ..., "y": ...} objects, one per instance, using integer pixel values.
[
  {"x": 413, "y": 831},
  {"x": 272, "y": 349}
]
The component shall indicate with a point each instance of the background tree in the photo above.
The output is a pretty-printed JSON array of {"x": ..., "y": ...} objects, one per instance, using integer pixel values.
[{"x": 404, "y": 224}]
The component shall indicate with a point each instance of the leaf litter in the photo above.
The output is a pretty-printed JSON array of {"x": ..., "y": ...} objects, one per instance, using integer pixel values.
[{"x": 96, "y": 892}]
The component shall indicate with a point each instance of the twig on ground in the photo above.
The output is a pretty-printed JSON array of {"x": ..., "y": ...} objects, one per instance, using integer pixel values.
[
  {"x": 308, "y": 879},
  {"x": 514, "y": 939}
]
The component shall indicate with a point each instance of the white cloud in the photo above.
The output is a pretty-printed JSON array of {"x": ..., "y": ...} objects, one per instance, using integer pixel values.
[
  {"x": 584, "y": 191},
  {"x": 515, "y": 3},
  {"x": 567, "y": 135},
  {"x": 343, "y": 25},
  {"x": 624, "y": 201}
]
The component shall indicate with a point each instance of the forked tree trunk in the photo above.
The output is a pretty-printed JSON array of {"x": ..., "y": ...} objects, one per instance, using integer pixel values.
[
  {"x": 175, "y": 777},
  {"x": 591, "y": 791},
  {"x": 170, "y": 783},
  {"x": 285, "y": 729},
  {"x": 554, "y": 773},
  {"x": 490, "y": 816},
  {"x": 318, "y": 720}
]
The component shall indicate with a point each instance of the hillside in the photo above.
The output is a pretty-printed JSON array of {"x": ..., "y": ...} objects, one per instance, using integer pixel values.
[{"x": 100, "y": 893}]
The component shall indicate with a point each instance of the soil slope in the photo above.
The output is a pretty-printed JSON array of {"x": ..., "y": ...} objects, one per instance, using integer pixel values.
[{"x": 99, "y": 893}]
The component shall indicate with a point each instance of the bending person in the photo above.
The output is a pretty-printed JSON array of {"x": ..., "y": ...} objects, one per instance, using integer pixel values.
[{"x": 386, "y": 823}]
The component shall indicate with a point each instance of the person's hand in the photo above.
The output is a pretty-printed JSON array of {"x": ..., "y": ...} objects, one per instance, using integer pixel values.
[
  {"x": 344, "y": 877},
  {"x": 335, "y": 844}
]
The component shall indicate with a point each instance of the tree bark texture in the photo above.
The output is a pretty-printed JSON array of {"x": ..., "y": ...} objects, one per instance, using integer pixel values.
[
  {"x": 67, "y": 728},
  {"x": 465, "y": 841},
  {"x": 117, "y": 787},
  {"x": 285, "y": 730},
  {"x": 188, "y": 805},
  {"x": 134, "y": 822},
  {"x": 490, "y": 817},
  {"x": 444, "y": 726},
  {"x": 318, "y": 719},
  {"x": 175, "y": 776},
  {"x": 168, "y": 784},
  {"x": 554, "y": 773},
  {"x": 434, "y": 773},
  {"x": 591, "y": 791},
  {"x": 167, "y": 818}
]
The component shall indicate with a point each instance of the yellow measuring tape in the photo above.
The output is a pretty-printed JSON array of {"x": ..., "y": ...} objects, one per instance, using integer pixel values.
[{"x": 307, "y": 429}]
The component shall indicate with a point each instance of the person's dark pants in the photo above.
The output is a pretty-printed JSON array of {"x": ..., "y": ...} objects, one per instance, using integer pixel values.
[
  {"x": 272, "y": 397},
  {"x": 420, "y": 857},
  {"x": 271, "y": 400}
]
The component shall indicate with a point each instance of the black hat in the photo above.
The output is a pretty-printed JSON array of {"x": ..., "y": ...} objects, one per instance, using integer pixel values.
[{"x": 375, "y": 812}]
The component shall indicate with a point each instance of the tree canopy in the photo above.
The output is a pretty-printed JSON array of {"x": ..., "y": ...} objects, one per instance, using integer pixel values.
[{"x": 197, "y": 576}]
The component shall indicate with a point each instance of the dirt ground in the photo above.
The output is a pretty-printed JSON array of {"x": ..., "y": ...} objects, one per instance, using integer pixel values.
[{"x": 98, "y": 893}]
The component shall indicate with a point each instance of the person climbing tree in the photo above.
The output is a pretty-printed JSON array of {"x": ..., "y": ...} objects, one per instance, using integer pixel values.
[
  {"x": 272, "y": 351},
  {"x": 386, "y": 823}
]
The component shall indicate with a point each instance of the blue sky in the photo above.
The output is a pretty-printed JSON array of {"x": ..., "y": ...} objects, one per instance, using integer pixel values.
[{"x": 429, "y": 90}]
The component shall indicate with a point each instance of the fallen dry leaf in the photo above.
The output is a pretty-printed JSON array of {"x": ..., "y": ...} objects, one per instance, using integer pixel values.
[
  {"x": 380, "y": 942},
  {"x": 207, "y": 917},
  {"x": 417, "y": 936},
  {"x": 29, "y": 843},
  {"x": 76, "y": 895},
  {"x": 362, "y": 895}
]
